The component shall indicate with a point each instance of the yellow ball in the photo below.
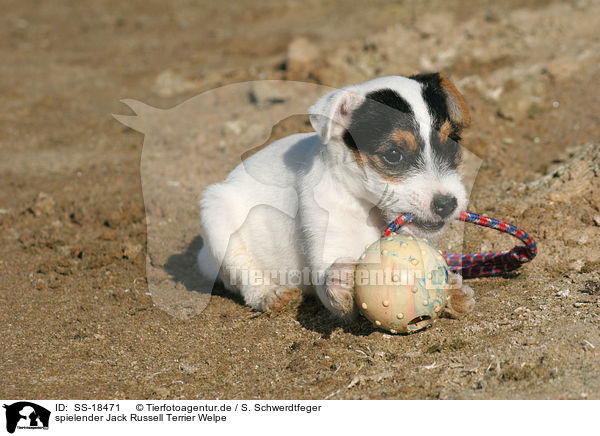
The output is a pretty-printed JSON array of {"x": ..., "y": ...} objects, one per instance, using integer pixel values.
[{"x": 401, "y": 283}]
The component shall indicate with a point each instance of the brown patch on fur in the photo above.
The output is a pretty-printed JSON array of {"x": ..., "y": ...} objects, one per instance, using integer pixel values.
[
  {"x": 376, "y": 162},
  {"x": 457, "y": 108},
  {"x": 458, "y": 159},
  {"x": 445, "y": 131},
  {"x": 404, "y": 138},
  {"x": 358, "y": 157},
  {"x": 283, "y": 299}
]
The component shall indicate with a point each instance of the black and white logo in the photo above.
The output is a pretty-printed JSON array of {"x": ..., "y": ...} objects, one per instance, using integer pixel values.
[{"x": 26, "y": 415}]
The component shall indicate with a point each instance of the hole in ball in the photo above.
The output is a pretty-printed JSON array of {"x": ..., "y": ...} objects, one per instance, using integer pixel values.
[{"x": 419, "y": 322}]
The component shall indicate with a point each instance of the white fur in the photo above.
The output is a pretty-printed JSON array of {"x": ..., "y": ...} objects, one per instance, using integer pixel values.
[{"x": 302, "y": 203}]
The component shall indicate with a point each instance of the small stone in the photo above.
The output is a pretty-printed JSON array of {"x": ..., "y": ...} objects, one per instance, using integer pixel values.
[
  {"x": 415, "y": 262},
  {"x": 169, "y": 83},
  {"x": 44, "y": 205},
  {"x": 364, "y": 306},
  {"x": 301, "y": 55},
  {"x": 385, "y": 303},
  {"x": 377, "y": 323},
  {"x": 130, "y": 251},
  {"x": 400, "y": 315},
  {"x": 577, "y": 265},
  {"x": 108, "y": 235},
  {"x": 234, "y": 128}
]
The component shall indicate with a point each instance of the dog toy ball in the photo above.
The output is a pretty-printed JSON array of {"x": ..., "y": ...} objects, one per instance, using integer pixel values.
[{"x": 400, "y": 283}]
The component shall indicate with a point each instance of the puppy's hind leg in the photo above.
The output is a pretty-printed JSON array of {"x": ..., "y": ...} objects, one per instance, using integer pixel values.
[
  {"x": 238, "y": 239},
  {"x": 260, "y": 288}
]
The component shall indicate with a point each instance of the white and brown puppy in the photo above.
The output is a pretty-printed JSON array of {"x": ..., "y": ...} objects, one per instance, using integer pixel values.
[{"x": 295, "y": 216}]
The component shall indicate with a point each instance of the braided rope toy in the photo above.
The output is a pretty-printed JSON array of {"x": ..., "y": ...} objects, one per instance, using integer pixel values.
[{"x": 491, "y": 263}]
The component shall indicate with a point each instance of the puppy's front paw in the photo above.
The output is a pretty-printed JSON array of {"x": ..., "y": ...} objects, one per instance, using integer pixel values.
[
  {"x": 460, "y": 301},
  {"x": 339, "y": 289}
]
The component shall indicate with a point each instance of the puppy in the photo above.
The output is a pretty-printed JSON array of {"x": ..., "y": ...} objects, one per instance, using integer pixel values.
[{"x": 294, "y": 217}]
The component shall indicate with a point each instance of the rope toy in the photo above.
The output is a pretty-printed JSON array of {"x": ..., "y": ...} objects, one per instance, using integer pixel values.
[{"x": 491, "y": 263}]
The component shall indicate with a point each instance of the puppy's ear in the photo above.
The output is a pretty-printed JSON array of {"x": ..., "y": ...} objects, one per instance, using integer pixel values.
[
  {"x": 330, "y": 116},
  {"x": 443, "y": 96},
  {"x": 457, "y": 108}
]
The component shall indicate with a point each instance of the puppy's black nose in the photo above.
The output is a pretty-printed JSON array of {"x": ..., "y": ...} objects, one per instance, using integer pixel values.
[{"x": 443, "y": 205}]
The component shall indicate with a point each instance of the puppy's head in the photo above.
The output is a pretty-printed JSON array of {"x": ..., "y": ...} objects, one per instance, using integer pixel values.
[{"x": 397, "y": 141}]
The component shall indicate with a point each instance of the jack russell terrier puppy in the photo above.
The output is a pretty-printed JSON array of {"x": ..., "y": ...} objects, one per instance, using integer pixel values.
[{"x": 295, "y": 216}]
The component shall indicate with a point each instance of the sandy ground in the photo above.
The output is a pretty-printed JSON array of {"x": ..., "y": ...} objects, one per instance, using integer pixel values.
[{"x": 75, "y": 308}]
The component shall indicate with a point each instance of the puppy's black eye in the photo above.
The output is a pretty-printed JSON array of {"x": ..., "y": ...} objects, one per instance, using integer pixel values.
[
  {"x": 392, "y": 156},
  {"x": 455, "y": 137}
]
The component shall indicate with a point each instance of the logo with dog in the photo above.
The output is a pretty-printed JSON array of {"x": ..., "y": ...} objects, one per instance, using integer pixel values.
[{"x": 26, "y": 415}]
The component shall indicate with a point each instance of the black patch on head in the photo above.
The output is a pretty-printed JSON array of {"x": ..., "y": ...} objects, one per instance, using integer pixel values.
[
  {"x": 445, "y": 147},
  {"x": 447, "y": 152},
  {"x": 371, "y": 132},
  {"x": 435, "y": 97},
  {"x": 377, "y": 116}
]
